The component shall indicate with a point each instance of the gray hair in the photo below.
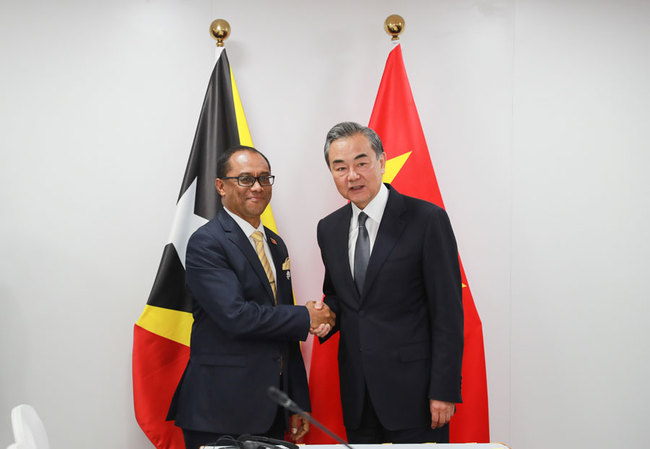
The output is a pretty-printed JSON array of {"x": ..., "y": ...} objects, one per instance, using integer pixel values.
[{"x": 348, "y": 129}]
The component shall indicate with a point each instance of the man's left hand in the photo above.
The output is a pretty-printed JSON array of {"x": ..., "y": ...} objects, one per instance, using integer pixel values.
[
  {"x": 441, "y": 412},
  {"x": 321, "y": 330},
  {"x": 298, "y": 427}
]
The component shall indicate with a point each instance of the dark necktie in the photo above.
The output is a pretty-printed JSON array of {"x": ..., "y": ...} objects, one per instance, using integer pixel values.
[{"x": 361, "y": 253}]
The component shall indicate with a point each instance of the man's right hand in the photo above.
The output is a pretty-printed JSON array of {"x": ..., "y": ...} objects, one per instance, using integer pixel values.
[{"x": 322, "y": 318}]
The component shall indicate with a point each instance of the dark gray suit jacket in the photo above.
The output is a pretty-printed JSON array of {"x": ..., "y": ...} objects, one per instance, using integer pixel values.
[
  {"x": 402, "y": 337},
  {"x": 240, "y": 340}
]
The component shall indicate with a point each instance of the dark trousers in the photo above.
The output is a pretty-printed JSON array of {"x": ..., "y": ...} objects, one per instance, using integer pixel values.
[
  {"x": 371, "y": 431},
  {"x": 196, "y": 438}
]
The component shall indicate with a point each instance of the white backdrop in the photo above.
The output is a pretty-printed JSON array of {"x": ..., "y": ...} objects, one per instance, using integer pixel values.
[{"x": 536, "y": 115}]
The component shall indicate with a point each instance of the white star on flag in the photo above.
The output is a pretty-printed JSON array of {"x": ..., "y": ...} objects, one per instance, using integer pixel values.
[{"x": 185, "y": 222}]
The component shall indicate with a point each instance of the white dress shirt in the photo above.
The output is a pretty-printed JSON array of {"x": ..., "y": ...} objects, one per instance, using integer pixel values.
[
  {"x": 248, "y": 230},
  {"x": 374, "y": 210}
]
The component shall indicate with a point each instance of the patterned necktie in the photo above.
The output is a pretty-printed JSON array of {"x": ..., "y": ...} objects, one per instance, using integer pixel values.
[
  {"x": 361, "y": 253},
  {"x": 259, "y": 247}
]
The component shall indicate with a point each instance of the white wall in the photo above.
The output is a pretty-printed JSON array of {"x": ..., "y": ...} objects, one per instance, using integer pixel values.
[
  {"x": 536, "y": 117},
  {"x": 580, "y": 236}
]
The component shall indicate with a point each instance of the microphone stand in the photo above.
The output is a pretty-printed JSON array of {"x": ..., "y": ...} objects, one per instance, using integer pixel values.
[{"x": 280, "y": 398}]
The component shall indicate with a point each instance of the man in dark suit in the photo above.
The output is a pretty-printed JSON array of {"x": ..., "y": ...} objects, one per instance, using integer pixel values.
[
  {"x": 246, "y": 328},
  {"x": 392, "y": 276}
]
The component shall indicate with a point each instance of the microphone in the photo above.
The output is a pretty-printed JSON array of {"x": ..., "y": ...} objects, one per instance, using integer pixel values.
[{"x": 281, "y": 398}]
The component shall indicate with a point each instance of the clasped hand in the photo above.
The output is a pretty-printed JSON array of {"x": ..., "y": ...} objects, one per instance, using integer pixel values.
[{"x": 322, "y": 318}]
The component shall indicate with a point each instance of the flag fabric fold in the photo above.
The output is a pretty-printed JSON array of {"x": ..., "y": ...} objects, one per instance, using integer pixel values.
[
  {"x": 409, "y": 169},
  {"x": 161, "y": 336},
  {"x": 324, "y": 392}
]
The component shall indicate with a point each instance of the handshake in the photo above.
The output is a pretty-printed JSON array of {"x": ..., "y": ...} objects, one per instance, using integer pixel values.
[{"x": 322, "y": 318}]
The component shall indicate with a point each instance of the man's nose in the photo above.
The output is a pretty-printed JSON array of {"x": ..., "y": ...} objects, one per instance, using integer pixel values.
[
  {"x": 353, "y": 175},
  {"x": 257, "y": 185}
]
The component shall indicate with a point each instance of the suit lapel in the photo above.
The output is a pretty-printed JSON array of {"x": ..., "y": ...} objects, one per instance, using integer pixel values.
[
  {"x": 390, "y": 229},
  {"x": 237, "y": 236}
]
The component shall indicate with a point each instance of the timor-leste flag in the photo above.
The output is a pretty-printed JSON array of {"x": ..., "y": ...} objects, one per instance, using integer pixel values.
[
  {"x": 409, "y": 169},
  {"x": 161, "y": 337}
]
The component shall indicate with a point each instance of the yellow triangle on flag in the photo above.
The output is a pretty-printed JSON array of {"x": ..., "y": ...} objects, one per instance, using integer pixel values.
[
  {"x": 242, "y": 124},
  {"x": 172, "y": 324},
  {"x": 245, "y": 139}
]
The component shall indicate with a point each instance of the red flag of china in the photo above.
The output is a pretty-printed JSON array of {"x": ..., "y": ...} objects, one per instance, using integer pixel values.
[{"x": 395, "y": 119}]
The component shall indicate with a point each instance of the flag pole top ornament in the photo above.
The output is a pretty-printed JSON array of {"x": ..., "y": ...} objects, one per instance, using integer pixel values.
[
  {"x": 394, "y": 25},
  {"x": 220, "y": 30}
]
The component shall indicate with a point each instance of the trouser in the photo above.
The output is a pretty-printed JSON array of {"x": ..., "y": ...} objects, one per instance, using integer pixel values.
[
  {"x": 371, "y": 431},
  {"x": 196, "y": 438}
]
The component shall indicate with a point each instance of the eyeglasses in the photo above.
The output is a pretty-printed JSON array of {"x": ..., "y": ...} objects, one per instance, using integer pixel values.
[{"x": 249, "y": 181}]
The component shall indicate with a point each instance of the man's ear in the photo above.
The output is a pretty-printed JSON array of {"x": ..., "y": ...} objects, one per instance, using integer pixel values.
[{"x": 218, "y": 183}]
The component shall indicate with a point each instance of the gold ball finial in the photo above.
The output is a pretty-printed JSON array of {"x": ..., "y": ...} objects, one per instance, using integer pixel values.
[
  {"x": 219, "y": 30},
  {"x": 394, "y": 25}
]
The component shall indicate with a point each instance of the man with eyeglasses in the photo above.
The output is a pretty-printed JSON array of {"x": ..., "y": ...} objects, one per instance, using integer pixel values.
[
  {"x": 246, "y": 327},
  {"x": 392, "y": 276}
]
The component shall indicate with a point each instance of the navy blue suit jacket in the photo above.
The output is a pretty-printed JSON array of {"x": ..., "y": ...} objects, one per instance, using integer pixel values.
[
  {"x": 240, "y": 340},
  {"x": 402, "y": 337}
]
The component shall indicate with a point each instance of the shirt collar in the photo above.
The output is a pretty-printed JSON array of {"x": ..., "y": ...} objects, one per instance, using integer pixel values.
[
  {"x": 375, "y": 208},
  {"x": 245, "y": 226}
]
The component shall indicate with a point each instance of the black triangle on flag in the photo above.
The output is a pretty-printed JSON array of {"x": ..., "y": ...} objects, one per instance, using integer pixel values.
[{"x": 216, "y": 132}]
